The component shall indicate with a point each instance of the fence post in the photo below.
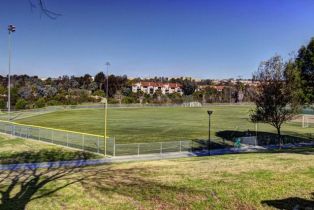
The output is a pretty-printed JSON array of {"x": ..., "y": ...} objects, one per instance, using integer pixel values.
[
  {"x": 138, "y": 150},
  {"x": 67, "y": 139},
  {"x": 83, "y": 141},
  {"x": 191, "y": 145},
  {"x": 51, "y": 136},
  {"x": 98, "y": 144},
  {"x": 180, "y": 146},
  {"x": 160, "y": 148},
  {"x": 114, "y": 146}
]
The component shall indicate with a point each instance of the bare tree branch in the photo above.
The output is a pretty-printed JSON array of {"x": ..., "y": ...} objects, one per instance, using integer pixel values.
[{"x": 41, "y": 4}]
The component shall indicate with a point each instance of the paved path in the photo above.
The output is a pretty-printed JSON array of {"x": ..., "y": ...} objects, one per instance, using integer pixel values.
[{"x": 173, "y": 155}]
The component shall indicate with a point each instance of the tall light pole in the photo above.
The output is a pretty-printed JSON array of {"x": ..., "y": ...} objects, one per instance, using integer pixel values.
[
  {"x": 106, "y": 106},
  {"x": 11, "y": 29},
  {"x": 209, "y": 114}
]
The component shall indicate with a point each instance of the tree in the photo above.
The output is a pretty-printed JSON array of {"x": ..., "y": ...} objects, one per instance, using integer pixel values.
[
  {"x": 198, "y": 95},
  {"x": 188, "y": 87},
  {"x": 239, "y": 86},
  {"x": 305, "y": 63},
  {"x": 100, "y": 79},
  {"x": 294, "y": 82},
  {"x": 43, "y": 8},
  {"x": 273, "y": 100}
]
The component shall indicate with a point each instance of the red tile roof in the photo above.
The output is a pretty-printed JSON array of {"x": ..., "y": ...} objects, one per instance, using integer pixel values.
[
  {"x": 160, "y": 84},
  {"x": 218, "y": 87}
]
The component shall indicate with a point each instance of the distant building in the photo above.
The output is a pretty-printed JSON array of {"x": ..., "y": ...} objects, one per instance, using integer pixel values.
[
  {"x": 218, "y": 88},
  {"x": 152, "y": 87}
]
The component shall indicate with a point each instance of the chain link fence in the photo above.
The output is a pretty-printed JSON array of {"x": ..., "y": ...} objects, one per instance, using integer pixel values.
[
  {"x": 96, "y": 143},
  {"x": 159, "y": 147},
  {"x": 77, "y": 140}
]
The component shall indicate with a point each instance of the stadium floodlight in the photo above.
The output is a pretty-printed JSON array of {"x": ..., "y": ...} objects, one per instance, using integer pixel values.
[
  {"x": 106, "y": 106},
  {"x": 11, "y": 29},
  {"x": 209, "y": 114}
]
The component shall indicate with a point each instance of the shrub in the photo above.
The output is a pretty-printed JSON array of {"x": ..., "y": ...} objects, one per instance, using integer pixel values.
[
  {"x": 128, "y": 100},
  {"x": 100, "y": 93},
  {"x": 40, "y": 103},
  {"x": 21, "y": 104},
  {"x": 113, "y": 101},
  {"x": 53, "y": 103},
  {"x": 2, "y": 103}
]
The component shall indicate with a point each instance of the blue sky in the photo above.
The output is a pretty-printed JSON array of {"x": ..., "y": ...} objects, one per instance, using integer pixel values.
[{"x": 199, "y": 38}]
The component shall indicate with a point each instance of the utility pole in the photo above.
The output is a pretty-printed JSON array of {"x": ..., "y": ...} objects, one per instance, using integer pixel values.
[
  {"x": 11, "y": 29},
  {"x": 106, "y": 106}
]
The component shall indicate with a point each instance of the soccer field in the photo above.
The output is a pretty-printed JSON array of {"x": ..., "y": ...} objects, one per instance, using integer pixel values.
[{"x": 130, "y": 125}]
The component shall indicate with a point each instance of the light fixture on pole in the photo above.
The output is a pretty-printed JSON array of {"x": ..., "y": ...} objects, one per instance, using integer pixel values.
[{"x": 11, "y": 29}]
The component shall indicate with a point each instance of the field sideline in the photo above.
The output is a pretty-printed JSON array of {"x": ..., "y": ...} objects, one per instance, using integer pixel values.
[{"x": 130, "y": 125}]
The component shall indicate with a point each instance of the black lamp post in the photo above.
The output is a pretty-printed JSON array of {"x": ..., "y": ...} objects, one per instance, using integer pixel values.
[{"x": 209, "y": 114}]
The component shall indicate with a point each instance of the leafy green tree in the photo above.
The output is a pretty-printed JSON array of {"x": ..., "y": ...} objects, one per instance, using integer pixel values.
[
  {"x": 273, "y": 100},
  {"x": 126, "y": 91},
  {"x": 198, "y": 95},
  {"x": 188, "y": 87},
  {"x": 305, "y": 62},
  {"x": 294, "y": 82},
  {"x": 14, "y": 95},
  {"x": 3, "y": 90},
  {"x": 100, "y": 79}
]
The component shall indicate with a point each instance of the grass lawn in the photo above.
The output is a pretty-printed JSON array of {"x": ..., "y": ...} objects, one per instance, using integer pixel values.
[
  {"x": 15, "y": 150},
  {"x": 246, "y": 181},
  {"x": 160, "y": 124}
]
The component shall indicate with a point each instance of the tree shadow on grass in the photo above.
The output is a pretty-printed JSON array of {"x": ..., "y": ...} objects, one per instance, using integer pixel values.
[
  {"x": 291, "y": 203},
  {"x": 45, "y": 155},
  {"x": 266, "y": 138},
  {"x": 263, "y": 138},
  {"x": 18, "y": 188},
  {"x": 201, "y": 144}
]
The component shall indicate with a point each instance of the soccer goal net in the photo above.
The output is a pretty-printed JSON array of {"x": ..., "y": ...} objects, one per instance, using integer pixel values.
[
  {"x": 304, "y": 120},
  {"x": 307, "y": 121},
  {"x": 192, "y": 104}
]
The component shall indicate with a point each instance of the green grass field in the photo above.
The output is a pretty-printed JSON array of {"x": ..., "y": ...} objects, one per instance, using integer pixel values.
[
  {"x": 131, "y": 125},
  {"x": 15, "y": 150},
  {"x": 246, "y": 181}
]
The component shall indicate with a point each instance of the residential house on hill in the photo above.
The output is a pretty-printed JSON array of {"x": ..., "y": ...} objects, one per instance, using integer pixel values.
[{"x": 152, "y": 87}]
